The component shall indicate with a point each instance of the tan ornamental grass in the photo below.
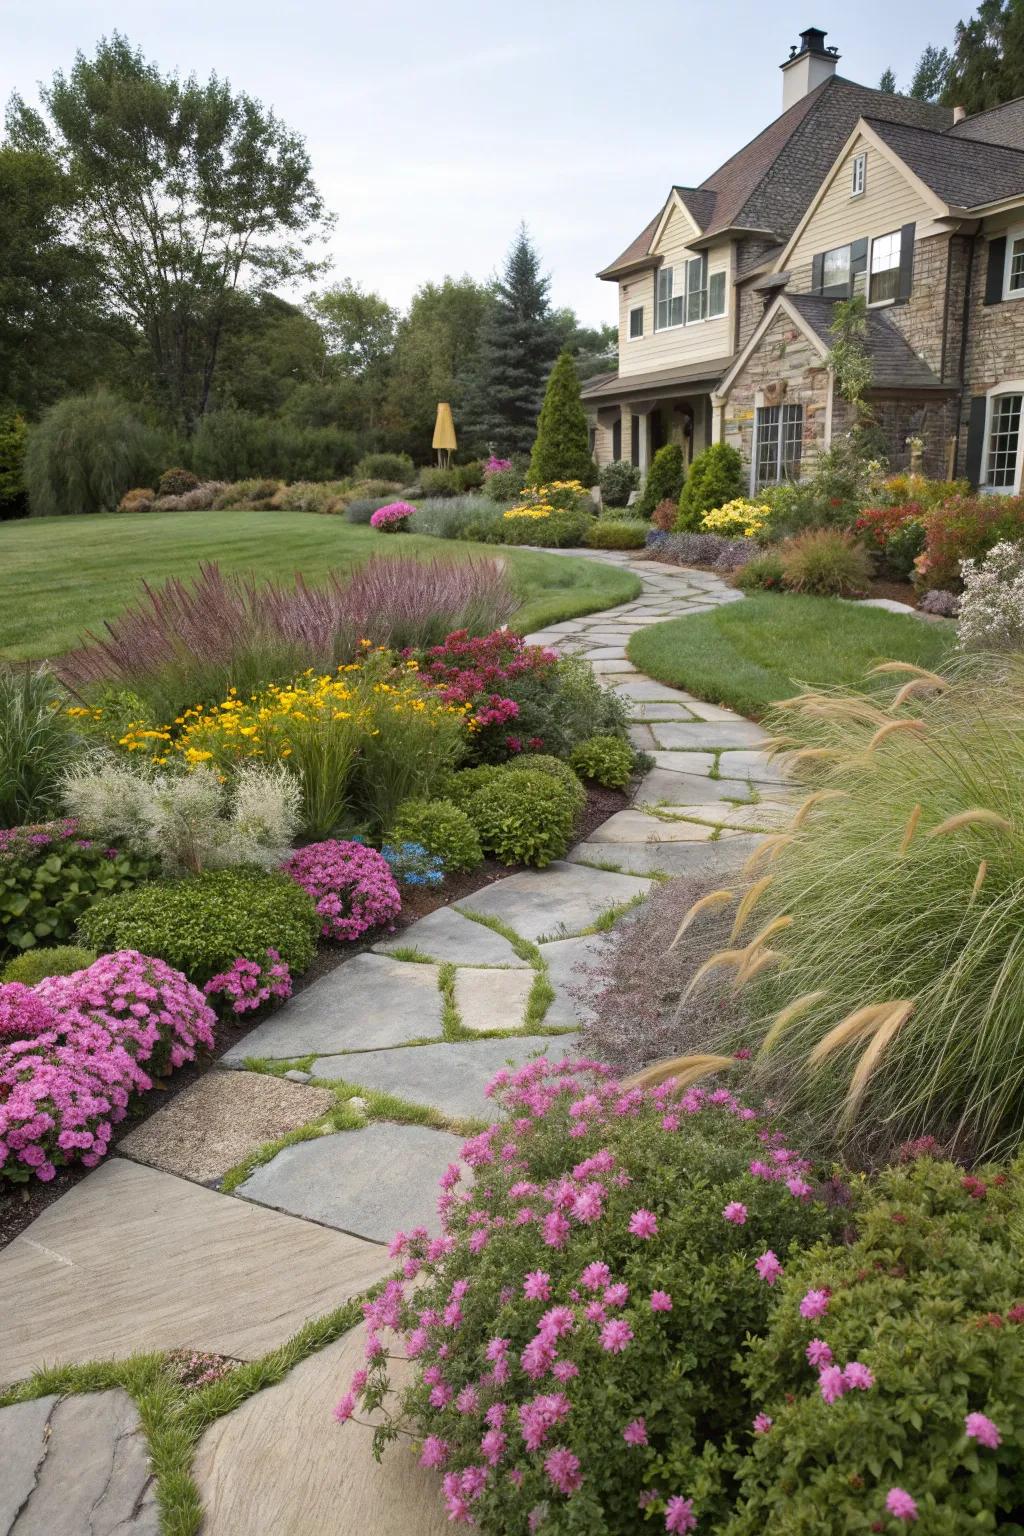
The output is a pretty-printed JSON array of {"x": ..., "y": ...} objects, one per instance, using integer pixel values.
[
  {"x": 894, "y": 728},
  {"x": 911, "y": 690},
  {"x": 883, "y": 1036},
  {"x": 979, "y": 880},
  {"x": 709, "y": 903},
  {"x": 789, "y": 1015},
  {"x": 815, "y": 798},
  {"x": 977, "y": 817},
  {"x": 754, "y": 964},
  {"x": 910, "y": 829},
  {"x": 910, "y": 669},
  {"x": 766, "y": 850},
  {"x": 747, "y": 904},
  {"x": 686, "y": 1070}
]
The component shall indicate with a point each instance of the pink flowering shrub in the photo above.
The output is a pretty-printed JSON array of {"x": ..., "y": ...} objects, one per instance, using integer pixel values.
[
  {"x": 66, "y": 1078},
  {"x": 247, "y": 984},
  {"x": 351, "y": 885},
  {"x": 394, "y": 518},
  {"x": 575, "y": 1327},
  {"x": 892, "y": 1373}
]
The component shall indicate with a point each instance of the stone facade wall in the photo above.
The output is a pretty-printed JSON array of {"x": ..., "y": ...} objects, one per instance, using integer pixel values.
[
  {"x": 995, "y": 341},
  {"x": 933, "y": 421},
  {"x": 787, "y": 362},
  {"x": 923, "y": 318}
]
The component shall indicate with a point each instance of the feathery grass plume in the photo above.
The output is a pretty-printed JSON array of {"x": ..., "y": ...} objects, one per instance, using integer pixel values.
[
  {"x": 747, "y": 904},
  {"x": 788, "y": 1016},
  {"x": 910, "y": 829},
  {"x": 979, "y": 879},
  {"x": 894, "y": 728},
  {"x": 711, "y": 902},
  {"x": 885, "y": 1031},
  {"x": 754, "y": 964},
  {"x": 723, "y": 958},
  {"x": 686, "y": 1070},
  {"x": 776, "y": 744},
  {"x": 977, "y": 817},
  {"x": 776, "y": 925},
  {"x": 885, "y": 668},
  {"x": 839, "y": 707},
  {"x": 766, "y": 850},
  {"x": 816, "y": 797},
  {"x": 863, "y": 1021},
  {"x": 814, "y": 755},
  {"x": 911, "y": 690}
]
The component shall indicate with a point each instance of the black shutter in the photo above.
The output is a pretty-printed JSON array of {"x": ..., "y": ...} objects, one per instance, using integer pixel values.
[
  {"x": 906, "y": 263},
  {"x": 817, "y": 272},
  {"x": 975, "y": 438},
  {"x": 996, "y": 268},
  {"x": 617, "y": 440}
]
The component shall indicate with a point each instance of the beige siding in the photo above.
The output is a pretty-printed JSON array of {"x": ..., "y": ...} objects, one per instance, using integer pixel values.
[
  {"x": 888, "y": 202},
  {"x": 682, "y": 344}
]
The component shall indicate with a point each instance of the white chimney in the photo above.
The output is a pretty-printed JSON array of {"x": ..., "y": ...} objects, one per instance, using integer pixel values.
[
  {"x": 807, "y": 66},
  {"x": 959, "y": 113}
]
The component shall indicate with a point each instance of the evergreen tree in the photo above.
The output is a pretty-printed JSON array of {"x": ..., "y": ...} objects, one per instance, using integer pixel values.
[
  {"x": 518, "y": 343},
  {"x": 930, "y": 75},
  {"x": 561, "y": 450},
  {"x": 987, "y": 66},
  {"x": 888, "y": 82}
]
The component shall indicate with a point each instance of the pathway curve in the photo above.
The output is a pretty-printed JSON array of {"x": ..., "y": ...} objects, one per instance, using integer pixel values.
[{"x": 148, "y": 1253}]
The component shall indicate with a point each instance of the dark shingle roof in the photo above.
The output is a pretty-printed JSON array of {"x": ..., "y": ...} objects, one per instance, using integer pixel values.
[
  {"x": 966, "y": 173},
  {"x": 999, "y": 125},
  {"x": 768, "y": 184},
  {"x": 618, "y": 386},
  {"x": 894, "y": 363}
]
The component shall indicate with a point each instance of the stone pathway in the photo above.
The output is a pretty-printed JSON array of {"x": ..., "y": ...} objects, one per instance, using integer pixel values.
[{"x": 147, "y": 1253}]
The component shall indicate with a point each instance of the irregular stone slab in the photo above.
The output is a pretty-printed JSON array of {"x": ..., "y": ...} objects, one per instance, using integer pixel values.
[
  {"x": 491, "y": 999},
  {"x": 280, "y": 1464},
  {"x": 724, "y": 855},
  {"x": 92, "y": 1475},
  {"x": 371, "y": 1001},
  {"x": 635, "y": 827},
  {"x": 607, "y": 671},
  {"x": 685, "y": 761},
  {"x": 450, "y": 1077},
  {"x": 892, "y": 606},
  {"x": 711, "y": 733},
  {"x": 23, "y": 1446},
  {"x": 567, "y": 961},
  {"x": 710, "y": 711},
  {"x": 447, "y": 935},
  {"x": 134, "y": 1259},
  {"x": 643, "y": 691},
  {"x": 753, "y": 765},
  {"x": 218, "y": 1120},
  {"x": 369, "y": 1182},
  {"x": 660, "y": 787},
  {"x": 642, "y": 737},
  {"x": 556, "y": 901},
  {"x": 763, "y": 817},
  {"x": 607, "y": 653},
  {"x": 647, "y": 710}
]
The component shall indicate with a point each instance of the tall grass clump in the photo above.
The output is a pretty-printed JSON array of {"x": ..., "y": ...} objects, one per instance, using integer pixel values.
[
  {"x": 892, "y": 998},
  {"x": 37, "y": 745},
  {"x": 85, "y": 453},
  {"x": 189, "y": 642}
]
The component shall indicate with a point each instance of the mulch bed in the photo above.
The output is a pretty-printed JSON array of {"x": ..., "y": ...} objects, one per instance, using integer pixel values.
[{"x": 20, "y": 1204}]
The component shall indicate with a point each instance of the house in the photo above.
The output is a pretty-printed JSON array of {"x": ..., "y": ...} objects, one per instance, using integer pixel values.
[{"x": 726, "y": 299}]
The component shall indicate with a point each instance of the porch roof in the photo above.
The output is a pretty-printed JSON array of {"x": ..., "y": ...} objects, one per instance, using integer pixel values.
[{"x": 697, "y": 378}]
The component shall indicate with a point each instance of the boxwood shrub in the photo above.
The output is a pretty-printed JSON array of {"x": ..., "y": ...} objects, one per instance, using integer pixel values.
[
  {"x": 524, "y": 817},
  {"x": 441, "y": 828},
  {"x": 35, "y": 965},
  {"x": 608, "y": 760},
  {"x": 200, "y": 925}
]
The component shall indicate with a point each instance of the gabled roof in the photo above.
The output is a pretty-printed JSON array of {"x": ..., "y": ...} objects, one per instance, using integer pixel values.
[
  {"x": 999, "y": 125},
  {"x": 615, "y": 386},
  {"x": 767, "y": 185},
  {"x": 964, "y": 173},
  {"x": 894, "y": 363}
]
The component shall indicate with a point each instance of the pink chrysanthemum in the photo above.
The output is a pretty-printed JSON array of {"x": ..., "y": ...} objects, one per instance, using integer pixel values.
[
  {"x": 735, "y": 1212},
  {"x": 977, "y": 1426},
  {"x": 768, "y": 1266},
  {"x": 643, "y": 1224},
  {"x": 635, "y": 1432},
  {"x": 814, "y": 1304},
  {"x": 762, "y": 1423},
  {"x": 616, "y": 1335},
  {"x": 679, "y": 1516},
  {"x": 661, "y": 1301},
  {"x": 900, "y": 1504}
]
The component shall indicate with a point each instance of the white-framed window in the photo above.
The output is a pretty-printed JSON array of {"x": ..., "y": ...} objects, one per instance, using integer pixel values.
[
  {"x": 835, "y": 269},
  {"x": 668, "y": 308},
  {"x": 778, "y": 445},
  {"x": 696, "y": 289},
  {"x": 860, "y": 173},
  {"x": 636, "y": 322},
  {"x": 884, "y": 268},
  {"x": 716, "y": 294},
  {"x": 1013, "y": 276},
  {"x": 1001, "y": 458}
]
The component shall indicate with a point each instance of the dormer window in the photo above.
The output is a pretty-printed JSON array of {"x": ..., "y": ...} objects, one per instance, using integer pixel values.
[{"x": 860, "y": 170}]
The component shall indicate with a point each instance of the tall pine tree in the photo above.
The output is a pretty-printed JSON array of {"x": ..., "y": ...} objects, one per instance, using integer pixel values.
[{"x": 518, "y": 344}]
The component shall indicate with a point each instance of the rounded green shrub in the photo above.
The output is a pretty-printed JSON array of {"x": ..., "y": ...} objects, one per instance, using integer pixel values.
[
  {"x": 175, "y": 482},
  {"x": 441, "y": 828},
  {"x": 562, "y": 530},
  {"x": 664, "y": 479},
  {"x": 460, "y": 787},
  {"x": 544, "y": 762},
  {"x": 617, "y": 481},
  {"x": 85, "y": 453},
  {"x": 716, "y": 476},
  {"x": 825, "y": 563},
  {"x": 616, "y": 533},
  {"x": 525, "y": 817},
  {"x": 386, "y": 466},
  {"x": 202, "y": 924},
  {"x": 608, "y": 760},
  {"x": 36, "y": 964},
  {"x": 762, "y": 574}
]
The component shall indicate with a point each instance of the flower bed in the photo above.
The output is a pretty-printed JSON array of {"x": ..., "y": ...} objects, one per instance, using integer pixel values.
[
  {"x": 392, "y": 518},
  {"x": 351, "y": 886}
]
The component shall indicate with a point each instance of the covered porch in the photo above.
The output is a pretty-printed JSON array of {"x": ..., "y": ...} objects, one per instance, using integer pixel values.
[{"x": 631, "y": 418}]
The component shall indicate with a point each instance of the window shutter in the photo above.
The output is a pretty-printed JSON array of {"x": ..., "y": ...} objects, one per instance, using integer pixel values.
[
  {"x": 976, "y": 437},
  {"x": 858, "y": 266},
  {"x": 996, "y": 267},
  {"x": 818, "y": 272},
  {"x": 906, "y": 282}
]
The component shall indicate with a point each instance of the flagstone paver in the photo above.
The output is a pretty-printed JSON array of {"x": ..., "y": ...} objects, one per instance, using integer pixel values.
[
  {"x": 369, "y": 1183},
  {"x": 447, "y": 935},
  {"x": 491, "y": 999},
  {"x": 566, "y": 961},
  {"x": 730, "y": 732},
  {"x": 638, "y": 827},
  {"x": 556, "y": 901},
  {"x": 667, "y": 858}
]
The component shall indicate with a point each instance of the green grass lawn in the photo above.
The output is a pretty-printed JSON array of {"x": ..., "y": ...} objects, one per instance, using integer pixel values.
[
  {"x": 60, "y": 576},
  {"x": 746, "y": 655}
]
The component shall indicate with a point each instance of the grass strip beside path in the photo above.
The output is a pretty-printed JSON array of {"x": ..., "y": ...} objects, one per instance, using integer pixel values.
[
  {"x": 63, "y": 575},
  {"x": 747, "y": 655}
]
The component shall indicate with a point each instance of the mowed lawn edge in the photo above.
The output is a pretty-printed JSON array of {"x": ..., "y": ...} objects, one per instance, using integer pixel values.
[
  {"x": 62, "y": 576},
  {"x": 746, "y": 655}
]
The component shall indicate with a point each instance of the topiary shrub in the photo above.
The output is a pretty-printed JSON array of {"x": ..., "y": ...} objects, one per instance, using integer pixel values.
[
  {"x": 716, "y": 477},
  {"x": 617, "y": 481},
  {"x": 36, "y": 965},
  {"x": 386, "y": 466},
  {"x": 664, "y": 479},
  {"x": 175, "y": 482},
  {"x": 826, "y": 563},
  {"x": 609, "y": 533},
  {"x": 608, "y": 760},
  {"x": 442, "y": 829},
  {"x": 561, "y": 449},
  {"x": 575, "y": 1331},
  {"x": 84, "y": 454},
  {"x": 894, "y": 1365},
  {"x": 526, "y": 817},
  {"x": 202, "y": 924}
]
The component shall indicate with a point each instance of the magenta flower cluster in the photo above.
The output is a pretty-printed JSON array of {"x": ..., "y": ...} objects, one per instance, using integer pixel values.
[
  {"x": 495, "y": 466},
  {"x": 352, "y": 886},
  {"x": 247, "y": 984},
  {"x": 510, "y": 1425},
  {"x": 393, "y": 517},
  {"x": 66, "y": 1078}
]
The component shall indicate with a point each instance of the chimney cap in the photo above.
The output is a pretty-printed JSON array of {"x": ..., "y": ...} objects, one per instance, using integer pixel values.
[{"x": 812, "y": 40}]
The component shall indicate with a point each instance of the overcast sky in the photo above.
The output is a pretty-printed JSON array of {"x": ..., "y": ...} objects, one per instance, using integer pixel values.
[{"x": 436, "y": 125}]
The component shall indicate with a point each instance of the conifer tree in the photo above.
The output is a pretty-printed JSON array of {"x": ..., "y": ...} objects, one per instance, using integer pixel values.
[{"x": 561, "y": 450}]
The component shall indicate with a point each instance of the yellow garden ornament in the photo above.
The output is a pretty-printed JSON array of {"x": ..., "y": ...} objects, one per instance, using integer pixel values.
[{"x": 444, "y": 441}]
